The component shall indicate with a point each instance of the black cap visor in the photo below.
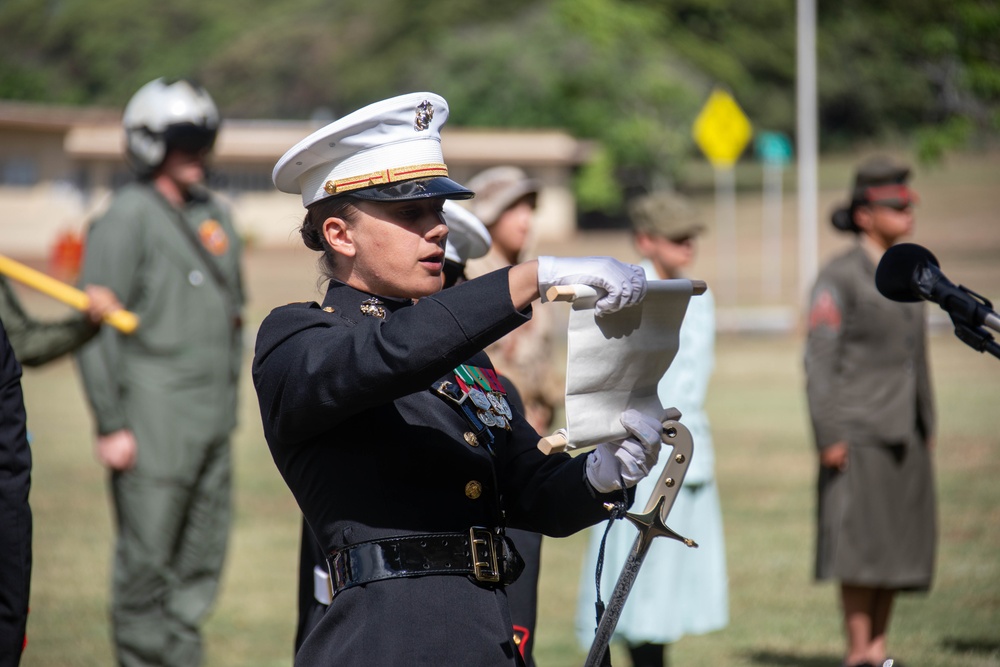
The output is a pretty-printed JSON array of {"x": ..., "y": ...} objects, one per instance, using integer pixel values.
[{"x": 420, "y": 188}]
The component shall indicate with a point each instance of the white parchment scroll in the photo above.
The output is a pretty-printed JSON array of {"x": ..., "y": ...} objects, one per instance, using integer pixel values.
[{"x": 614, "y": 362}]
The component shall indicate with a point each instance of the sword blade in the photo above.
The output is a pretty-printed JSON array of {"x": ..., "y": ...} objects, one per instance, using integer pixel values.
[{"x": 651, "y": 524}]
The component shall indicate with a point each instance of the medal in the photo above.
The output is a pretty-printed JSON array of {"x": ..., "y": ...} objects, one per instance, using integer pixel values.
[
  {"x": 500, "y": 406},
  {"x": 487, "y": 417},
  {"x": 485, "y": 391},
  {"x": 479, "y": 398}
]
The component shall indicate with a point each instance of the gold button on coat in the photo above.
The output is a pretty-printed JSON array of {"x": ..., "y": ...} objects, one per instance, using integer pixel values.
[
  {"x": 473, "y": 490},
  {"x": 471, "y": 438}
]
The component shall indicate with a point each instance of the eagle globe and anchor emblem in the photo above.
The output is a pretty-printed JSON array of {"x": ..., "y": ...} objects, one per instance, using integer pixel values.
[{"x": 425, "y": 114}]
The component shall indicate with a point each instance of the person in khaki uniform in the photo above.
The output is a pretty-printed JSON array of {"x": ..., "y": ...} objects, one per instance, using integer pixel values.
[
  {"x": 870, "y": 401},
  {"x": 164, "y": 399},
  {"x": 505, "y": 201}
]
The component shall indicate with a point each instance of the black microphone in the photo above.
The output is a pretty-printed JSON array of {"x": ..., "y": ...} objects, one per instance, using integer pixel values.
[
  {"x": 895, "y": 277},
  {"x": 909, "y": 272}
]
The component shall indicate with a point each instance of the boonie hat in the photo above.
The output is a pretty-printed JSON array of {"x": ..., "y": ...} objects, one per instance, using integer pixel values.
[
  {"x": 386, "y": 151},
  {"x": 468, "y": 237},
  {"x": 665, "y": 214},
  {"x": 499, "y": 188}
]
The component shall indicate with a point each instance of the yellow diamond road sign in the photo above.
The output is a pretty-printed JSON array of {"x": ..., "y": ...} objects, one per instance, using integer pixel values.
[{"x": 722, "y": 130}]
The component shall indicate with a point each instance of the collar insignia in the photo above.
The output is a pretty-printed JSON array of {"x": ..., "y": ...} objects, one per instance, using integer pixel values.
[{"x": 373, "y": 307}]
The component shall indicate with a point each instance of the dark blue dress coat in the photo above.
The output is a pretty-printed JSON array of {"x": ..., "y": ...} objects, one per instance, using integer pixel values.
[{"x": 370, "y": 450}]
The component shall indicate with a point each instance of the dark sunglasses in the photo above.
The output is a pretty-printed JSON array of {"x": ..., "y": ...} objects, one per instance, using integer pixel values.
[{"x": 895, "y": 205}]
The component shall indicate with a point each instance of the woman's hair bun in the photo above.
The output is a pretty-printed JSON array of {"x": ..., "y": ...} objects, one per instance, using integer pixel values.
[
  {"x": 843, "y": 219},
  {"x": 310, "y": 235}
]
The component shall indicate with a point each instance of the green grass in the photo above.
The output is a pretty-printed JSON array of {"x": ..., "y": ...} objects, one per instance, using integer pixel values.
[
  {"x": 765, "y": 466},
  {"x": 765, "y": 469}
]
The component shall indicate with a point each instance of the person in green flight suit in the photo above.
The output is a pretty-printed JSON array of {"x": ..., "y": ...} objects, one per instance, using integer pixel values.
[
  {"x": 164, "y": 399},
  {"x": 36, "y": 342}
]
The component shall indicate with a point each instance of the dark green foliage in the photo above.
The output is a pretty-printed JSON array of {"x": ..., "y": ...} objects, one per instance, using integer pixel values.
[{"x": 630, "y": 73}]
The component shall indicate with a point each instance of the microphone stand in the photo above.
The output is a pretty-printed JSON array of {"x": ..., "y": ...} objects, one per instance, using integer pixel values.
[
  {"x": 970, "y": 333},
  {"x": 976, "y": 337}
]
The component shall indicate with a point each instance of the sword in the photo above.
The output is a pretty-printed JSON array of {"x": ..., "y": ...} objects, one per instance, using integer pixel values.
[{"x": 651, "y": 524}]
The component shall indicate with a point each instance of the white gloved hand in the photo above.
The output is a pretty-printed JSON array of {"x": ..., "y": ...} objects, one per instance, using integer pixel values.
[
  {"x": 624, "y": 284},
  {"x": 629, "y": 460}
]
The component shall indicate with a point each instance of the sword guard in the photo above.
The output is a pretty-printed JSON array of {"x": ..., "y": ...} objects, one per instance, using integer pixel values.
[
  {"x": 660, "y": 529},
  {"x": 650, "y": 525}
]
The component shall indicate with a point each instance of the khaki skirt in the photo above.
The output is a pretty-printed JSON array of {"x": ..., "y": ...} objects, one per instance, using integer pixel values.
[{"x": 877, "y": 523}]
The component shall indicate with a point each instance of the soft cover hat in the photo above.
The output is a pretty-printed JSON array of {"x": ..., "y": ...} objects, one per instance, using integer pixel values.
[
  {"x": 882, "y": 181},
  {"x": 665, "y": 214},
  {"x": 499, "y": 188},
  {"x": 389, "y": 150},
  {"x": 878, "y": 180}
]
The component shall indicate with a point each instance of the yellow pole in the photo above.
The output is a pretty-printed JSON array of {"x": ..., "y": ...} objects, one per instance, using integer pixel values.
[{"x": 122, "y": 320}]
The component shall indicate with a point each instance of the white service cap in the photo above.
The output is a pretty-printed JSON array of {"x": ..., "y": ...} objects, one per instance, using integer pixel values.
[
  {"x": 468, "y": 237},
  {"x": 389, "y": 150}
]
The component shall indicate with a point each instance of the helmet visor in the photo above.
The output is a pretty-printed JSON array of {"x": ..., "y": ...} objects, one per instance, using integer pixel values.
[{"x": 190, "y": 138}]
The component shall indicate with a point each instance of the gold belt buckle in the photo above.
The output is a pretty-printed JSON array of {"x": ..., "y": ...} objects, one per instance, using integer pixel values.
[{"x": 484, "y": 570}]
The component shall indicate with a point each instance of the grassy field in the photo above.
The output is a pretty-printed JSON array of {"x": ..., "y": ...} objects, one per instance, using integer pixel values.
[{"x": 765, "y": 468}]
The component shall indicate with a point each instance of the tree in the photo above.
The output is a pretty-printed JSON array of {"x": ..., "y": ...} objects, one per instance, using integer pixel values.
[{"x": 631, "y": 74}]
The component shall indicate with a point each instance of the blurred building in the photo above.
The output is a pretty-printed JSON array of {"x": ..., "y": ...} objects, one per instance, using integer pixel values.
[{"x": 58, "y": 166}]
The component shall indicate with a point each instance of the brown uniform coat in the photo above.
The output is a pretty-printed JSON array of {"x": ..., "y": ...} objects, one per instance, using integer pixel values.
[{"x": 868, "y": 384}]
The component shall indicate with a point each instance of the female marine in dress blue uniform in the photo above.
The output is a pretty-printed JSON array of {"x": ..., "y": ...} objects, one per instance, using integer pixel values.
[{"x": 387, "y": 421}]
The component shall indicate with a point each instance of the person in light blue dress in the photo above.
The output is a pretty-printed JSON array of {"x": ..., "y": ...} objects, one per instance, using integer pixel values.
[{"x": 679, "y": 591}]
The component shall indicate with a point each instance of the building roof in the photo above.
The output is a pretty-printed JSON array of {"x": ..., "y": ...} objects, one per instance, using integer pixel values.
[
  {"x": 95, "y": 134},
  {"x": 34, "y": 116},
  {"x": 256, "y": 141}
]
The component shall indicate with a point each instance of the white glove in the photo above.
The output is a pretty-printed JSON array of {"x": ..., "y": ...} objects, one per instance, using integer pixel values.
[
  {"x": 625, "y": 284},
  {"x": 629, "y": 460}
]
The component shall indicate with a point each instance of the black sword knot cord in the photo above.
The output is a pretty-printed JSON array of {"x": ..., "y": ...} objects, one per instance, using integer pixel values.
[{"x": 618, "y": 510}]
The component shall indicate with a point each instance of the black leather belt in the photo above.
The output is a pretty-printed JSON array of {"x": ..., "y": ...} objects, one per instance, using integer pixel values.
[{"x": 479, "y": 553}]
